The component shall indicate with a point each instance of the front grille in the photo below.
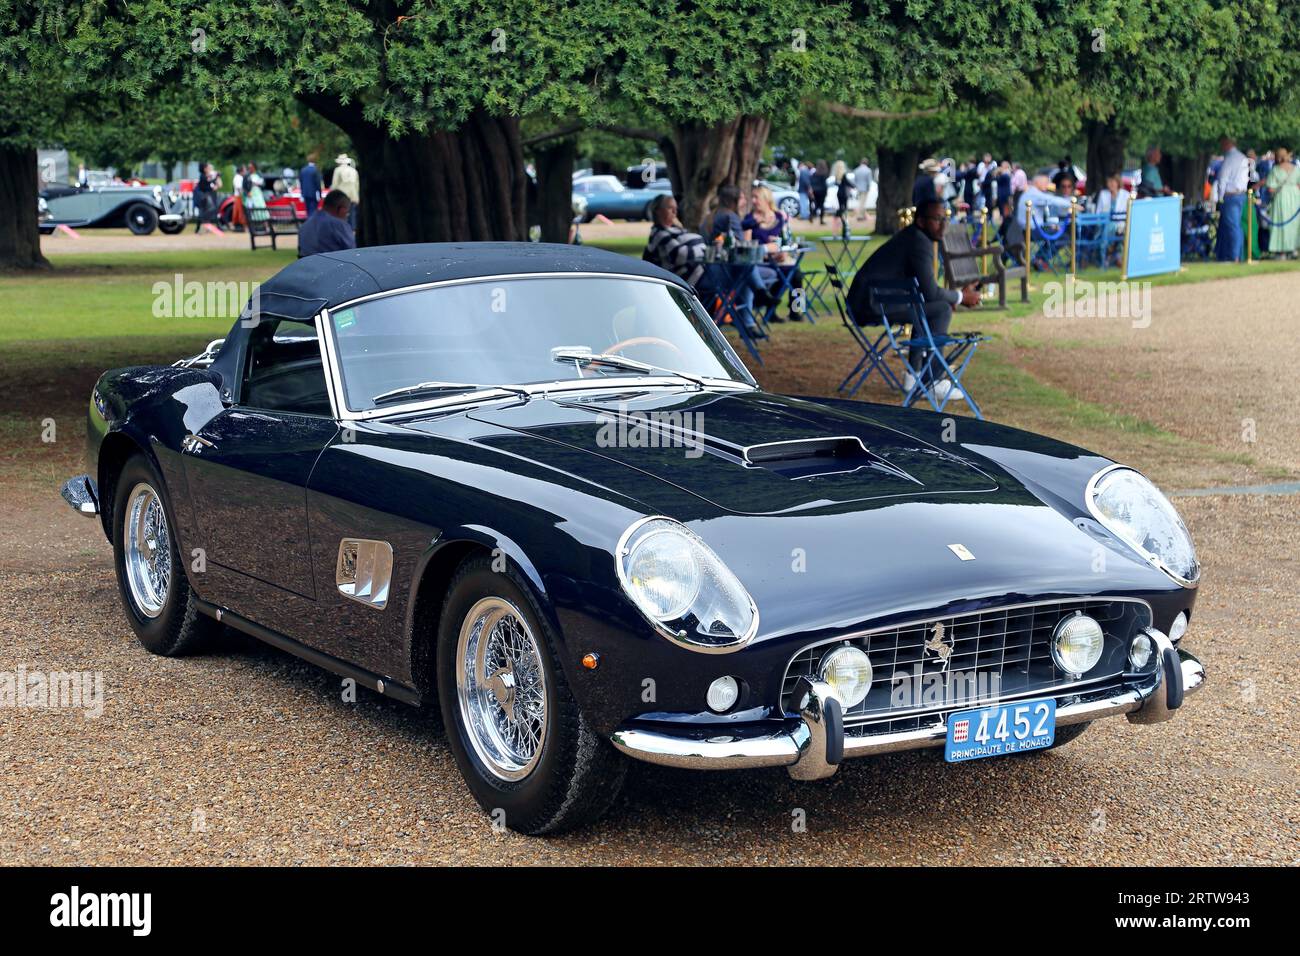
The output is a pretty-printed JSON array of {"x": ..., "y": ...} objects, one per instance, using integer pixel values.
[{"x": 997, "y": 653}]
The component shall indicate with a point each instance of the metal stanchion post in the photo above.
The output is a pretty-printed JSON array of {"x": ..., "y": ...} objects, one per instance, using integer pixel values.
[
  {"x": 984, "y": 240},
  {"x": 1074, "y": 235},
  {"x": 1029, "y": 239},
  {"x": 1250, "y": 226}
]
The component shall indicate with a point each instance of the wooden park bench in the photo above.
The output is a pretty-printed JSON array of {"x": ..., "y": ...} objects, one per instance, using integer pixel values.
[
  {"x": 269, "y": 221},
  {"x": 963, "y": 263}
]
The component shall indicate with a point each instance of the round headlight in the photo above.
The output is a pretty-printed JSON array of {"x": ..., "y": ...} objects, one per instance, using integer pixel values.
[
  {"x": 1077, "y": 644},
  {"x": 1178, "y": 628},
  {"x": 723, "y": 694},
  {"x": 1133, "y": 509},
  {"x": 848, "y": 671},
  {"x": 676, "y": 581},
  {"x": 1139, "y": 652},
  {"x": 664, "y": 575}
]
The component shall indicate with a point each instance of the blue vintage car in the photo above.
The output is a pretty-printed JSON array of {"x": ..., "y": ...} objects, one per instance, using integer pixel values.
[
  {"x": 534, "y": 486},
  {"x": 607, "y": 196}
]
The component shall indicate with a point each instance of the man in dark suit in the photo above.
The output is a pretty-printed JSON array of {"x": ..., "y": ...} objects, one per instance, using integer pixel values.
[
  {"x": 909, "y": 254},
  {"x": 309, "y": 185}
]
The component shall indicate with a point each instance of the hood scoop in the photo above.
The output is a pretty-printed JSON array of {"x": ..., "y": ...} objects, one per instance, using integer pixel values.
[{"x": 810, "y": 457}]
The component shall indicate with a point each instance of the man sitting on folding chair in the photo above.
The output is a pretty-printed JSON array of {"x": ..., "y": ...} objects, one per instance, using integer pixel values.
[{"x": 909, "y": 254}]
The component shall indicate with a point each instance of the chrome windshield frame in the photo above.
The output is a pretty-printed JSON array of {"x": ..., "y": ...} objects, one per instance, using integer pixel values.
[{"x": 506, "y": 391}]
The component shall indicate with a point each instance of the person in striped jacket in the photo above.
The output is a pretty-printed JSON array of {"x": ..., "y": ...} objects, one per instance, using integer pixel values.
[{"x": 672, "y": 247}]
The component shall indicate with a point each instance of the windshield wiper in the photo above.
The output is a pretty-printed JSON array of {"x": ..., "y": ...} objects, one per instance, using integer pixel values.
[
  {"x": 434, "y": 388},
  {"x": 610, "y": 360}
]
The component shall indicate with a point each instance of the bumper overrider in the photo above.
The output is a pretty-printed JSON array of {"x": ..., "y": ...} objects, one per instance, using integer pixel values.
[{"x": 813, "y": 745}]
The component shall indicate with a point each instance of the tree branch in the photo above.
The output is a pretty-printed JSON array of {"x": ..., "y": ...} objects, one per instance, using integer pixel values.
[
  {"x": 860, "y": 112},
  {"x": 629, "y": 132}
]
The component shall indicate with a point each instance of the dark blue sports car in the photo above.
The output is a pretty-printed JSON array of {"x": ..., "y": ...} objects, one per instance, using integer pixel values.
[{"x": 535, "y": 484}]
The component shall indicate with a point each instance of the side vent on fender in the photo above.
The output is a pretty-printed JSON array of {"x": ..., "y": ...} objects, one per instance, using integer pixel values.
[{"x": 364, "y": 570}]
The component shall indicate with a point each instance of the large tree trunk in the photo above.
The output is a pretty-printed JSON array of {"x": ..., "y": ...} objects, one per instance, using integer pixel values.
[
  {"x": 554, "y": 163},
  {"x": 1106, "y": 146},
  {"x": 441, "y": 186},
  {"x": 1187, "y": 176},
  {"x": 895, "y": 176},
  {"x": 20, "y": 239},
  {"x": 707, "y": 155}
]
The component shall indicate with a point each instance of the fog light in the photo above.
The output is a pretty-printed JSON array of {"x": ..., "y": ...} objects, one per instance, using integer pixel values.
[
  {"x": 1077, "y": 644},
  {"x": 848, "y": 671},
  {"x": 1139, "y": 652},
  {"x": 723, "y": 694},
  {"x": 1178, "y": 628}
]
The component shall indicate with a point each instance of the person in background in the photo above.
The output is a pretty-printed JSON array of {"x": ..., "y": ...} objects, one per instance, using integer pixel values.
[
  {"x": 768, "y": 226},
  {"x": 862, "y": 180},
  {"x": 843, "y": 189},
  {"x": 804, "y": 185},
  {"x": 1064, "y": 181},
  {"x": 83, "y": 177},
  {"x": 1114, "y": 199},
  {"x": 967, "y": 174},
  {"x": 1019, "y": 179},
  {"x": 309, "y": 185},
  {"x": 670, "y": 246},
  {"x": 237, "y": 217},
  {"x": 1230, "y": 194},
  {"x": 726, "y": 224},
  {"x": 926, "y": 186},
  {"x": 205, "y": 196},
  {"x": 983, "y": 197},
  {"x": 1044, "y": 199},
  {"x": 1011, "y": 235},
  {"x": 330, "y": 231},
  {"x": 1284, "y": 204},
  {"x": 1002, "y": 187},
  {"x": 1152, "y": 184},
  {"x": 820, "y": 183},
  {"x": 909, "y": 254},
  {"x": 347, "y": 180}
]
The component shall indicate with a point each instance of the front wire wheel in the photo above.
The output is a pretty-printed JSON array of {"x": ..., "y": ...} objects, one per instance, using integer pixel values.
[
  {"x": 528, "y": 754},
  {"x": 501, "y": 688}
]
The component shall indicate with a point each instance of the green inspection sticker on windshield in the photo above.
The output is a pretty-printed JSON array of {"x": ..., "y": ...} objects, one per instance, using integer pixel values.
[{"x": 345, "y": 319}]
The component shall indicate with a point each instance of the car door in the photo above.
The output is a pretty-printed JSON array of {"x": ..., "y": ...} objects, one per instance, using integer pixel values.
[{"x": 247, "y": 468}]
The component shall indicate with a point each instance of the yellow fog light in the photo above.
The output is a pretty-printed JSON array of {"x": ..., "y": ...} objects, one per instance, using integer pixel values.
[{"x": 848, "y": 670}]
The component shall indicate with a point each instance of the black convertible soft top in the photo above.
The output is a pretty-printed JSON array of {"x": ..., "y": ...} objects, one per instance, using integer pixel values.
[{"x": 300, "y": 290}]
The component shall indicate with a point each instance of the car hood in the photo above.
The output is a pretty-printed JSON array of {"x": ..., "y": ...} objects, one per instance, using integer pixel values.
[{"x": 749, "y": 453}]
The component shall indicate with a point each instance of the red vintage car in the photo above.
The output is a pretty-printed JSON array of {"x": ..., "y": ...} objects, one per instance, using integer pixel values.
[{"x": 280, "y": 192}]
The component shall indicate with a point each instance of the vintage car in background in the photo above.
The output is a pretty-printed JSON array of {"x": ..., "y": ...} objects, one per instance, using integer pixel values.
[
  {"x": 535, "y": 484},
  {"x": 142, "y": 209},
  {"x": 281, "y": 192},
  {"x": 609, "y": 197}
]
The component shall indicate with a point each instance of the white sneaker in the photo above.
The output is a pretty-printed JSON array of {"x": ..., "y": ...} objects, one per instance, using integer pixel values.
[
  {"x": 909, "y": 382},
  {"x": 943, "y": 389}
]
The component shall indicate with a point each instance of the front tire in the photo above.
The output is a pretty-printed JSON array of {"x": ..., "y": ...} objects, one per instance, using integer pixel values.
[
  {"x": 519, "y": 739},
  {"x": 160, "y": 605},
  {"x": 790, "y": 207},
  {"x": 141, "y": 219}
]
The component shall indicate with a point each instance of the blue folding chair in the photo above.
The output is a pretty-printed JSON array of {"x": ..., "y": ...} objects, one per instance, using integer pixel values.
[
  {"x": 1090, "y": 245},
  {"x": 947, "y": 356},
  {"x": 873, "y": 352},
  {"x": 1052, "y": 245}
]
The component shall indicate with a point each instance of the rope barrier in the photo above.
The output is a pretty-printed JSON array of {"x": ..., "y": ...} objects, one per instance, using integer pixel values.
[
  {"x": 1271, "y": 223},
  {"x": 1052, "y": 237}
]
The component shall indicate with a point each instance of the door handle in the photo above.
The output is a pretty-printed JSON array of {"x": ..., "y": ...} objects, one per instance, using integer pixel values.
[{"x": 194, "y": 444}]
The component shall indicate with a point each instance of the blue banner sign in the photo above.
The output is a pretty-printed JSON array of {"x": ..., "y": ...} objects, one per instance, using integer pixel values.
[{"x": 1154, "y": 236}]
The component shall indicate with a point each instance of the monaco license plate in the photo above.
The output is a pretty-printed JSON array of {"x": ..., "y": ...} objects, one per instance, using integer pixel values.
[{"x": 1001, "y": 730}]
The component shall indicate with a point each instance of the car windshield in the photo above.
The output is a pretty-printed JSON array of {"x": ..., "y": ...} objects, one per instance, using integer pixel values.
[{"x": 428, "y": 343}]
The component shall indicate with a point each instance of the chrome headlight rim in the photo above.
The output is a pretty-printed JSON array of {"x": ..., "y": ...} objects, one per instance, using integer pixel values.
[
  {"x": 681, "y": 637},
  {"x": 1089, "y": 499}
]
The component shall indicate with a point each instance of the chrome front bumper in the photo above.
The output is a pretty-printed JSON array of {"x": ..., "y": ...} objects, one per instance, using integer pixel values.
[{"x": 813, "y": 746}]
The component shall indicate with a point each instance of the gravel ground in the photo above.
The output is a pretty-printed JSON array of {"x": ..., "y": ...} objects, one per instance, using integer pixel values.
[{"x": 250, "y": 756}]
